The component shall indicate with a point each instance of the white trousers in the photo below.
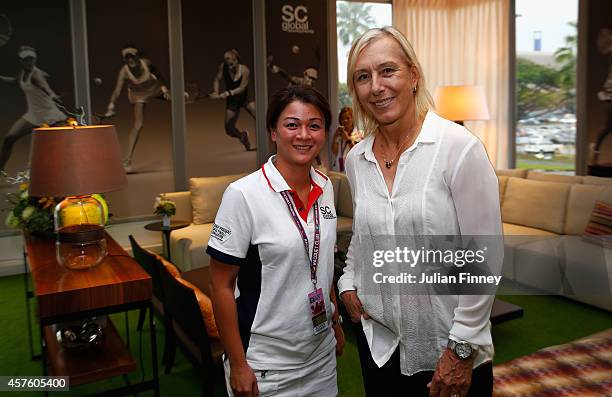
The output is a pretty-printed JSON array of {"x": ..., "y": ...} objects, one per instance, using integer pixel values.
[{"x": 318, "y": 379}]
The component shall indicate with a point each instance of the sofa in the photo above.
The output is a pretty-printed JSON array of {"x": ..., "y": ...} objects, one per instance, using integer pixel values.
[
  {"x": 544, "y": 217},
  {"x": 544, "y": 220},
  {"x": 199, "y": 206}
]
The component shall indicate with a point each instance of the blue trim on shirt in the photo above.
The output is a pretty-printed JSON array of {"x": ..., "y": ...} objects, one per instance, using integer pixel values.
[{"x": 225, "y": 258}]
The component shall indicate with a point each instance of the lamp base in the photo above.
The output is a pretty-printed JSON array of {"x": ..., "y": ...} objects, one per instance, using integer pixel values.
[{"x": 80, "y": 247}]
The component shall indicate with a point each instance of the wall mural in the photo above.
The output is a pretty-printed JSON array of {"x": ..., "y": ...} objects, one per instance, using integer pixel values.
[
  {"x": 36, "y": 83},
  {"x": 144, "y": 84},
  {"x": 128, "y": 50},
  {"x": 219, "y": 74},
  {"x": 129, "y": 63},
  {"x": 296, "y": 38}
]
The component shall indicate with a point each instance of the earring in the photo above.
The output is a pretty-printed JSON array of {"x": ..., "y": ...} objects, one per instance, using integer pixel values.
[{"x": 414, "y": 89}]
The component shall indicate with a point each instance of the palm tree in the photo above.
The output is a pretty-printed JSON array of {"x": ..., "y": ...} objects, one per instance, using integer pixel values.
[
  {"x": 353, "y": 19},
  {"x": 565, "y": 57}
]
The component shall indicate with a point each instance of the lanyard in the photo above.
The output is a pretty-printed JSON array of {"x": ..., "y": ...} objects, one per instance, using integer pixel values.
[{"x": 314, "y": 261}]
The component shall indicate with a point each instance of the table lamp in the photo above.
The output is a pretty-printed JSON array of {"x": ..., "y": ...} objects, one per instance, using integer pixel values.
[
  {"x": 75, "y": 162},
  {"x": 461, "y": 103}
]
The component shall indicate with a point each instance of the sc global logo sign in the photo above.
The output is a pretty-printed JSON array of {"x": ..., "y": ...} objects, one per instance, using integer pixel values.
[
  {"x": 295, "y": 19},
  {"x": 327, "y": 213}
]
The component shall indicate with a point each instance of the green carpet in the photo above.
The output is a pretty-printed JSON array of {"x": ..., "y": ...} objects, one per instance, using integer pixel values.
[{"x": 547, "y": 321}]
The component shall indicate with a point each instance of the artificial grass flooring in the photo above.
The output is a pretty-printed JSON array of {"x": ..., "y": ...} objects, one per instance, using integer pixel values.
[{"x": 548, "y": 320}]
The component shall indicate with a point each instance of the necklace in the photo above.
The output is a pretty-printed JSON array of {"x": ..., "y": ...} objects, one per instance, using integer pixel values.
[{"x": 389, "y": 163}]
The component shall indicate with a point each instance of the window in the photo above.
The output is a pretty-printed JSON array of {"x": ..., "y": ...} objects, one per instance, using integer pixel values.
[
  {"x": 354, "y": 18},
  {"x": 546, "y": 85}
]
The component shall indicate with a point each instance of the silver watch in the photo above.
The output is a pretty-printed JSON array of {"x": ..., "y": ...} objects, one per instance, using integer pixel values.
[{"x": 462, "y": 349}]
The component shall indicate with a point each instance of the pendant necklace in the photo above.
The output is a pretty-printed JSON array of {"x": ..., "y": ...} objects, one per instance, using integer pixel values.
[{"x": 389, "y": 163}]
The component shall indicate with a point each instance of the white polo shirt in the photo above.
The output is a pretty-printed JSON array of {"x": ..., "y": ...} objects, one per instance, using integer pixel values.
[{"x": 254, "y": 230}]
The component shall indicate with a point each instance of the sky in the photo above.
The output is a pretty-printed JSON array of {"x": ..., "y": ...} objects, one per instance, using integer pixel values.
[{"x": 548, "y": 16}]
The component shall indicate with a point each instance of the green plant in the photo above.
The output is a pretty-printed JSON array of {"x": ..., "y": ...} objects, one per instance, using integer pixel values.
[
  {"x": 163, "y": 206},
  {"x": 33, "y": 214},
  {"x": 353, "y": 20}
]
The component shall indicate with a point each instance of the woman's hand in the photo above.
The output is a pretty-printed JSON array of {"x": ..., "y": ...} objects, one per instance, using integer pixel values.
[
  {"x": 243, "y": 381},
  {"x": 339, "y": 333},
  {"x": 353, "y": 306},
  {"x": 453, "y": 376}
]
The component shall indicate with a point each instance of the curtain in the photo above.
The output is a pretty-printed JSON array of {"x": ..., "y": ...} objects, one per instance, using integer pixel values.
[{"x": 464, "y": 42}]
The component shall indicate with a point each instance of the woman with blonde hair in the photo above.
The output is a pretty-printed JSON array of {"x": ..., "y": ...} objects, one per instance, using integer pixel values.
[{"x": 415, "y": 174}]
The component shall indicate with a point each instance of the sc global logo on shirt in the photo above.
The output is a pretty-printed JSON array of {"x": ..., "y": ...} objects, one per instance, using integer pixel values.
[
  {"x": 295, "y": 19},
  {"x": 327, "y": 213}
]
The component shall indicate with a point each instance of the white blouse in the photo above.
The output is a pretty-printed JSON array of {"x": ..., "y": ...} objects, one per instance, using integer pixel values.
[{"x": 444, "y": 185}]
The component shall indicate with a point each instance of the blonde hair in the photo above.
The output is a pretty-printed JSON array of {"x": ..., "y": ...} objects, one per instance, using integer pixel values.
[{"x": 423, "y": 99}]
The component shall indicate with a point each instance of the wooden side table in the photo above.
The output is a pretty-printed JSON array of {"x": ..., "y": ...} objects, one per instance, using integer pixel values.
[
  {"x": 159, "y": 227},
  {"x": 116, "y": 285}
]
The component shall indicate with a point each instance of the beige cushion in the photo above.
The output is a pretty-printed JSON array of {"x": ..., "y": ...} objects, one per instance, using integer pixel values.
[
  {"x": 188, "y": 246},
  {"x": 345, "y": 201},
  {"x": 335, "y": 180},
  {"x": 536, "y": 204},
  {"x": 503, "y": 182},
  {"x": 344, "y": 225},
  {"x": 183, "y": 205},
  {"x": 517, "y": 173},
  {"x": 206, "y": 194},
  {"x": 549, "y": 177},
  {"x": 511, "y": 229},
  {"x": 580, "y": 205},
  {"x": 596, "y": 180}
]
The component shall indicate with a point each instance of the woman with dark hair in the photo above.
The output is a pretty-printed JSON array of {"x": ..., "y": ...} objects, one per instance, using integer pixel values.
[
  {"x": 236, "y": 83},
  {"x": 144, "y": 83},
  {"x": 272, "y": 247},
  {"x": 41, "y": 100}
]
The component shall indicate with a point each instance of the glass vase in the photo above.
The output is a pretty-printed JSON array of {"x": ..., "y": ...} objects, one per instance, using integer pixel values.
[{"x": 79, "y": 223}]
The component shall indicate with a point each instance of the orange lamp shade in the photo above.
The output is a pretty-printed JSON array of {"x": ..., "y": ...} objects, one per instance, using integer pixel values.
[{"x": 461, "y": 103}]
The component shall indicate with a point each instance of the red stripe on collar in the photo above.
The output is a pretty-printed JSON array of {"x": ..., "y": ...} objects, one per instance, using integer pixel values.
[
  {"x": 266, "y": 176},
  {"x": 322, "y": 174}
]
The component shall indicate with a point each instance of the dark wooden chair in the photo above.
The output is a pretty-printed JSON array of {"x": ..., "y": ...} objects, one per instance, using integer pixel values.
[
  {"x": 151, "y": 264},
  {"x": 184, "y": 306}
]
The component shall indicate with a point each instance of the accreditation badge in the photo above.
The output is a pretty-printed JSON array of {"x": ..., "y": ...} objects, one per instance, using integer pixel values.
[{"x": 317, "y": 311}]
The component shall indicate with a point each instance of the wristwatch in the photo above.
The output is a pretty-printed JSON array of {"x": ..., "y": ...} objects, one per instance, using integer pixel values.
[
  {"x": 462, "y": 349},
  {"x": 339, "y": 321}
]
